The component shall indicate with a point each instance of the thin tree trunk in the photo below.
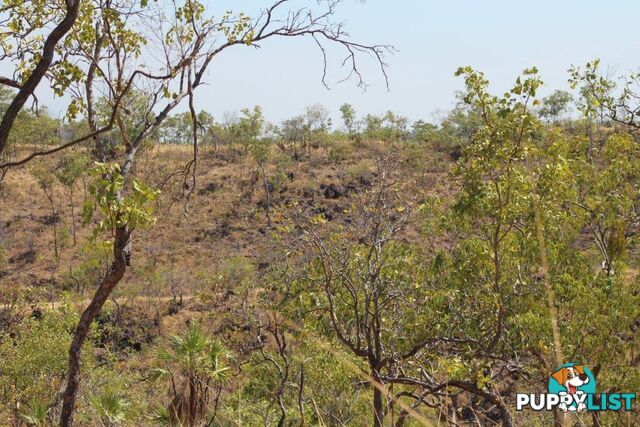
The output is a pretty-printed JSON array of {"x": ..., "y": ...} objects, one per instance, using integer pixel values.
[
  {"x": 300, "y": 394},
  {"x": 267, "y": 194},
  {"x": 84, "y": 188},
  {"x": 54, "y": 220},
  {"x": 559, "y": 419},
  {"x": 91, "y": 120},
  {"x": 378, "y": 409},
  {"x": 73, "y": 217},
  {"x": 108, "y": 283},
  {"x": 544, "y": 272},
  {"x": 55, "y": 240}
]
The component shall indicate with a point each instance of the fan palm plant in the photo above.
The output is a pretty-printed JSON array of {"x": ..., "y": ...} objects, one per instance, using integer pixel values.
[
  {"x": 193, "y": 365},
  {"x": 111, "y": 407}
]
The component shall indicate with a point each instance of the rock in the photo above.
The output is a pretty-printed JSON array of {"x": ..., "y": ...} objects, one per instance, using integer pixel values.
[
  {"x": 27, "y": 257},
  {"x": 49, "y": 219},
  {"x": 364, "y": 181},
  {"x": 209, "y": 188},
  {"x": 332, "y": 191}
]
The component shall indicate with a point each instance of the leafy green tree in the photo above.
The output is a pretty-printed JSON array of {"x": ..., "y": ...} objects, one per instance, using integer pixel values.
[
  {"x": 493, "y": 205},
  {"x": 395, "y": 128},
  {"x": 389, "y": 127},
  {"x": 595, "y": 96},
  {"x": 46, "y": 181},
  {"x": 68, "y": 172},
  {"x": 457, "y": 130},
  {"x": 207, "y": 128},
  {"x": 555, "y": 105},
  {"x": 608, "y": 192},
  {"x": 350, "y": 121},
  {"x": 250, "y": 126},
  {"x": 317, "y": 125},
  {"x": 372, "y": 127},
  {"x": 176, "y": 129},
  {"x": 423, "y": 131},
  {"x": 293, "y": 131},
  {"x": 371, "y": 294},
  {"x": 261, "y": 150},
  {"x": 120, "y": 214}
]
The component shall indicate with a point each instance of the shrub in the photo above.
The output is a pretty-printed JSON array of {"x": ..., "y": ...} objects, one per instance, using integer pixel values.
[
  {"x": 339, "y": 152},
  {"x": 34, "y": 360}
]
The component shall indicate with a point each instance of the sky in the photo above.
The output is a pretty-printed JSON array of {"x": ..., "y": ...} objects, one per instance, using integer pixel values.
[{"x": 433, "y": 38}]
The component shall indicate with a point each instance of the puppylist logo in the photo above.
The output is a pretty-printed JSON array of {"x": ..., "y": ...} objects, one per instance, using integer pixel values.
[{"x": 572, "y": 387}]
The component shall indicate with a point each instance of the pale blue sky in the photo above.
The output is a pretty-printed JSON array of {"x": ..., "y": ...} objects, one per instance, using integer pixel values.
[{"x": 499, "y": 37}]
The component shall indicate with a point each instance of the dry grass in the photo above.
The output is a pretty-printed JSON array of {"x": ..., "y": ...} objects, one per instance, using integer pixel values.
[{"x": 224, "y": 218}]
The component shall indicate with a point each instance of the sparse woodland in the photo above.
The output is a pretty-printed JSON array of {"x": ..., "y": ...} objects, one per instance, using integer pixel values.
[{"x": 174, "y": 268}]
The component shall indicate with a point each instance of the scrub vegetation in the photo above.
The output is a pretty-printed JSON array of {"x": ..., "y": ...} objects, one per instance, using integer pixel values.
[{"x": 163, "y": 267}]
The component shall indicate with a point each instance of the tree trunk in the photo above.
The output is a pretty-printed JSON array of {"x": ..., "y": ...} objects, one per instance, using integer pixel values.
[
  {"x": 73, "y": 218},
  {"x": 378, "y": 402},
  {"x": 108, "y": 283},
  {"x": 193, "y": 406},
  {"x": 267, "y": 194},
  {"x": 54, "y": 222},
  {"x": 505, "y": 415},
  {"x": 559, "y": 419},
  {"x": 91, "y": 119}
]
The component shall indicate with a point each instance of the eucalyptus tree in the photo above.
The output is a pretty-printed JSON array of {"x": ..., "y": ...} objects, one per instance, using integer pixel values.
[
  {"x": 317, "y": 125},
  {"x": 493, "y": 210},
  {"x": 526, "y": 196},
  {"x": 601, "y": 96},
  {"x": 350, "y": 120},
  {"x": 607, "y": 182},
  {"x": 555, "y": 105},
  {"x": 69, "y": 171},
  {"x": 249, "y": 127},
  {"x": 261, "y": 151},
  {"x": 292, "y": 131},
  {"x": 372, "y": 292}
]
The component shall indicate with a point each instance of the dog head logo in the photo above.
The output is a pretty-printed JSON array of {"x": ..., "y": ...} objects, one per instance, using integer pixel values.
[
  {"x": 572, "y": 379},
  {"x": 572, "y": 387}
]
